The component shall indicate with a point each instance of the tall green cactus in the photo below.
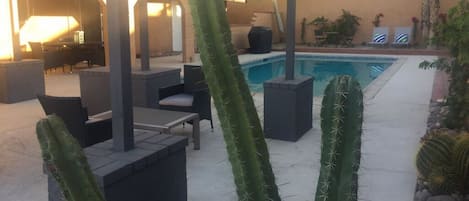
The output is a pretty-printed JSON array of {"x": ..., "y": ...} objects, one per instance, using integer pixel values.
[
  {"x": 247, "y": 149},
  {"x": 341, "y": 124},
  {"x": 66, "y": 161}
]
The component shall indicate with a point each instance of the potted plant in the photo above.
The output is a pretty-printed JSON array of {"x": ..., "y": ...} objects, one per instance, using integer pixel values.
[
  {"x": 347, "y": 25},
  {"x": 321, "y": 24},
  {"x": 377, "y": 20},
  {"x": 415, "y": 22}
]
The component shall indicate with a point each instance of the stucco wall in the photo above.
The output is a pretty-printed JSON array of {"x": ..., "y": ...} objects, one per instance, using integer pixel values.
[
  {"x": 242, "y": 13},
  {"x": 159, "y": 30},
  {"x": 447, "y": 4},
  {"x": 255, "y": 13},
  {"x": 396, "y": 13}
]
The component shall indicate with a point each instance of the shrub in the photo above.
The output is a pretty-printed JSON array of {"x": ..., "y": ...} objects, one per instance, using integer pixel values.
[{"x": 453, "y": 33}]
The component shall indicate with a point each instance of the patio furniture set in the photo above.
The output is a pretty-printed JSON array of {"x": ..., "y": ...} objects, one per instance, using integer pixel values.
[
  {"x": 157, "y": 158},
  {"x": 178, "y": 104},
  {"x": 380, "y": 37},
  {"x": 59, "y": 54}
]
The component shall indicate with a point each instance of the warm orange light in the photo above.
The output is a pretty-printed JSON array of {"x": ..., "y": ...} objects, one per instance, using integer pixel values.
[
  {"x": 178, "y": 11},
  {"x": 131, "y": 4},
  {"x": 155, "y": 9},
  {"x": 132, "y": 16},
  {"x": 16, "y": 21},
  {"x": 169, "y": 10},
  {"x": 6, "y": 44},
  {"x": 46, "y": 28}
]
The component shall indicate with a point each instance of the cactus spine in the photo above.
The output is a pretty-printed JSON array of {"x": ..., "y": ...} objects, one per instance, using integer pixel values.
[
  {"x": 66, "y": 161},
  {"x": 341, "y": 124},
  {"x": 247, "y": 149}
]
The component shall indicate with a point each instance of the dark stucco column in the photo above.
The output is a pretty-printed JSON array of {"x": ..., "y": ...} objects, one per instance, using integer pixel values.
[
  {"x": 294, "y": 95},
  {"x": 144, "y": 46},
  {"x": 121, "y": 90},
  {"x": 290, "y": 50}
]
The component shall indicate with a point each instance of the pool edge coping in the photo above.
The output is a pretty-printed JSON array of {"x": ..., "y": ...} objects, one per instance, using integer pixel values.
[{"x": 375, "y": 86}]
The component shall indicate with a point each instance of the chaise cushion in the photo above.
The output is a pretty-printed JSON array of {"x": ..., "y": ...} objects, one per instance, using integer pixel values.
[
  {"x": 402, "y": 38},
  {"x": 184, "y": 100},
  {"x": 379, "y": 38}
]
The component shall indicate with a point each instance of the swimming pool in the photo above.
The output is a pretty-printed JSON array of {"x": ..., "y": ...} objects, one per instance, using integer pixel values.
[{"x": 322, "y": 68}]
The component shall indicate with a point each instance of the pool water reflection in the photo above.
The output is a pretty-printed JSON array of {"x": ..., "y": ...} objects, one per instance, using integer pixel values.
[{"x": 323, "y": 69}]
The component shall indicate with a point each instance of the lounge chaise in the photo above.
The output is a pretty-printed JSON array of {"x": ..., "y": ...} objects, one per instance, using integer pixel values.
[
  {"x": 380, "y": 36},
  {"x": 402, "y": 36}
]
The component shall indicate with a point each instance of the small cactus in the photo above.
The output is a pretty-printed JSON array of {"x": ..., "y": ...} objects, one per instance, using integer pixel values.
[
  {"x": 461, "y": 162},
  {"x": 443, "y": 161},
  {"x": 66, "y": 161},
  {"x": 341, "y": 124},
  {"x": 434, "y": 152},
  {"x": 442, "y": 180}
]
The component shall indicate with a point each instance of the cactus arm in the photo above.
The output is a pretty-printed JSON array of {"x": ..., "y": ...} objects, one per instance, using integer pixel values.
[
  {"x": 247, "y": 150},
  {"x": 341, "y": 124},
  {"x": 66, "y": 161}
]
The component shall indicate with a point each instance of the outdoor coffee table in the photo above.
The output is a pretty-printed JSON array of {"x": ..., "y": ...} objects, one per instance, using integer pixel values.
[{"x": 160, "y": 120}]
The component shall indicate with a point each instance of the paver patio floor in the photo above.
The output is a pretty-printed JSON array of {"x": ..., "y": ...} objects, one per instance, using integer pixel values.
[{"x": 395, "y": 116}]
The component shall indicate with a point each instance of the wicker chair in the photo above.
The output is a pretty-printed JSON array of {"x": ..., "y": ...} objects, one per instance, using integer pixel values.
[
  {"x": 51, "y": 58},
  {"x": 192, "y": 96},
  {"x": 86, "y": 131}
]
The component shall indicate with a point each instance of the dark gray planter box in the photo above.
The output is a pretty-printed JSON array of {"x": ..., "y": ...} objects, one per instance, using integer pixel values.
[
  {"x": 155, "y": 170},
  {"x": 21, "y": 80},
  {"x": 288, "y": 107},
  {"x": 95, "y": 87}
]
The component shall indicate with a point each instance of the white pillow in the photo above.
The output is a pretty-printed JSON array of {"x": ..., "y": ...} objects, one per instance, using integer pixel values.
[{"x": 184, "y": 100}]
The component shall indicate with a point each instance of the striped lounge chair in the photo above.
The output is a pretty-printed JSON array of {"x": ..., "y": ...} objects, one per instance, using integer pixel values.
[
  {"x": 402, "y": 36},
  {"x": 380, "y": 36}
]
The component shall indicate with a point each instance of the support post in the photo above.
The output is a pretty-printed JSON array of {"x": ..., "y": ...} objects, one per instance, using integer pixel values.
[
  {"x": 15, "y": 30},
  {"x": 120, "y": 65},
  {"x": 144, "y": 49},
  {"x": 290, "y": 50}
]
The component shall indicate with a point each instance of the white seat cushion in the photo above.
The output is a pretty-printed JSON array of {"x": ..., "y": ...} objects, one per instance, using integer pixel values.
[{"x": 183, "y": 100}]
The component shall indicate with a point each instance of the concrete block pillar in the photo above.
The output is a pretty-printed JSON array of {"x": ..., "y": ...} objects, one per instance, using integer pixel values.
[{"x": 288, "y": 108}]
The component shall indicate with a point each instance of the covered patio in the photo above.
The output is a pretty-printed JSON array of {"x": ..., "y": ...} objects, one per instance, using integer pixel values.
[
  {"x": 389, "y": 141},
  {"x": 387, "y": 171}
]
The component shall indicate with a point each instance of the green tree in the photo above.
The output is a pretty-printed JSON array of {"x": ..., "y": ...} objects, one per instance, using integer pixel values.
[{"x": 453, "y": 34}]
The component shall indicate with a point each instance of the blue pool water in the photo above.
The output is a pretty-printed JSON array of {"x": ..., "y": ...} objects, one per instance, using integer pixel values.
[{"x": 322, "y": 68}]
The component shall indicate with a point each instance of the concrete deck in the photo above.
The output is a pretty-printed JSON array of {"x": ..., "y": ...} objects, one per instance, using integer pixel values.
[{"x": 396, "y": 108}]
